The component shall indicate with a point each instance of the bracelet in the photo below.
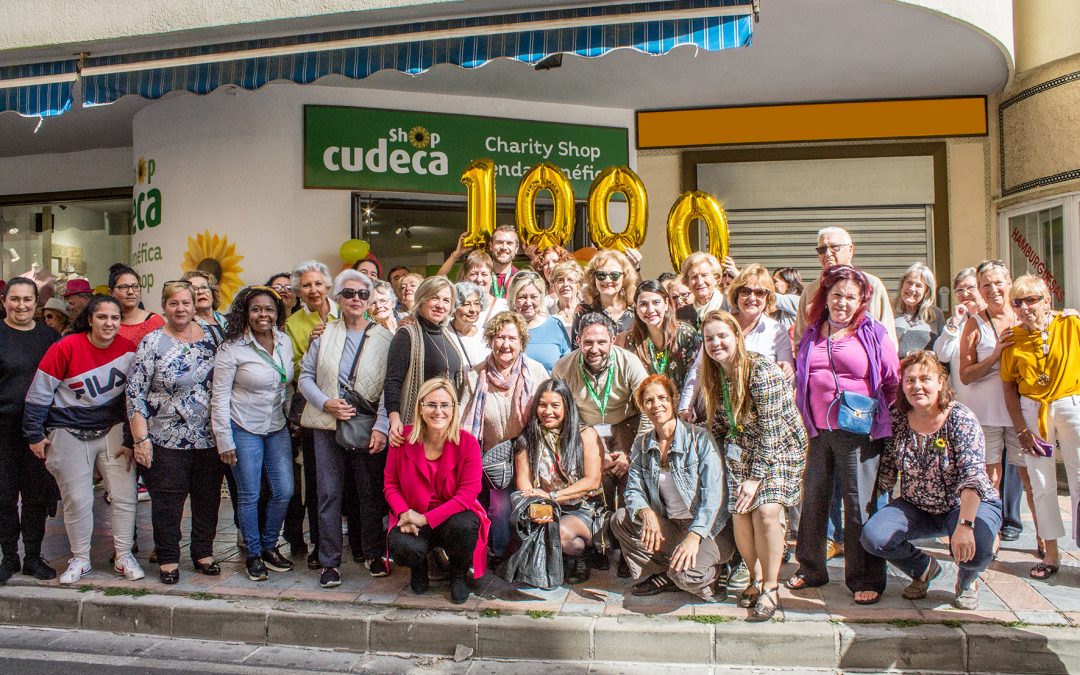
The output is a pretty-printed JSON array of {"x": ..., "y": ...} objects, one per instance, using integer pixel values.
[
  {"x": 1023, "y": 432},
  {"x": 140, "y": 440}
]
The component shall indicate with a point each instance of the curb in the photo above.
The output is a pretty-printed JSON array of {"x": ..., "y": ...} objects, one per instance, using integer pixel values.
[{"x": 356, "y": 627}]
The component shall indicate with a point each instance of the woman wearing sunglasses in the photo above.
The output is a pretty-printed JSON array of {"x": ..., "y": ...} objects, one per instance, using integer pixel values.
[
  {"x": 752, "y": 297},
  {"x": 341, "y": 378},
  {"x": 610, "y": 284},
  {"x": 1040, "y": 374}
]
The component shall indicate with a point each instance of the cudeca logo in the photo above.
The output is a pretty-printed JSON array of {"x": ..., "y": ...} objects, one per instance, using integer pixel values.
[
  {"x": 146, "y": 205},
  {"x": 380, "y": 158}
]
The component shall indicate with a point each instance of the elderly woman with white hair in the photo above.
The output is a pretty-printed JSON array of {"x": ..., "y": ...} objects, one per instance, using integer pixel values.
[
  {"x": 918, "y": 320},
  {"x": 470, "y": 301},
  {"x": 701, "y": 272},
  {"x": 421, "y": 350},
  {"x": 341, "y": 377}
]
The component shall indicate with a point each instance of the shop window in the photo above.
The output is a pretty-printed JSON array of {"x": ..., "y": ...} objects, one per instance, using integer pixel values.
[{"x": 1037, "y": 246}]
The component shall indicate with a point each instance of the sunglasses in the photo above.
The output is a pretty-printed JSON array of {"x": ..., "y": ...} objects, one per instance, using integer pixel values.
[
  {"x": 350, "y": 293},
  {"x": 1029, "y": 300},
  {"x": 835, "y": 248},
  {"x": 759, "y": 293},
  {"x": 282, "y": 288},
  {"x": 604, "y": 276},
  {"x": 987, "y": 264}
]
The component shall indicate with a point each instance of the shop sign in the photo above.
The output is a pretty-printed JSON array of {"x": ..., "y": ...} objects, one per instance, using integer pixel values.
[{"x": 405, "y": 151}]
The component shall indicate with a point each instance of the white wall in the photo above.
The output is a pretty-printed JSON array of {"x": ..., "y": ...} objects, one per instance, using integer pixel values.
[
  {"x": 86, "y": 170},
  {"x": 231, "y": 163}
]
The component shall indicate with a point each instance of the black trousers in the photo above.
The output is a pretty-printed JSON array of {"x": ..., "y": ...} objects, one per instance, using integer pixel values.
[
  {"x": 173, "y": 476},
  {"x": 306, "y": 502},
  {"x": 456, "y": 535},
  {"x": 336, "y": 467},
  {"x": 854, "y": 458},
  {"x": 23, "y": 475}
]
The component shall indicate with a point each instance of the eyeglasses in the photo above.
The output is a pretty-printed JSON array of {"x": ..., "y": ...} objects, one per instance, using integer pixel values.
[
  {"x": 965, "y": 290},
  {"x": 281, "y": 288},
  {"x": 759, "y": 293},
  {"x": 835, "y": 248},
  {"x": 604, "y": 276},
  {"x": 432, "y": 407},
  {"x": 684, "y": 296},
  {"x": 350, "y": 293},
  {"x": 129, "y": 287},
  {"x": 1029, "y": 300}
]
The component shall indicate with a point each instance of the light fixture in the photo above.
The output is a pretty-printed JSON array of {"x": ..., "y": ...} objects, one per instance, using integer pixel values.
[
  {"x": 416, "y": 246},
  {"x": 13, "y": 230},
  {"x": 14, "y": 255}
]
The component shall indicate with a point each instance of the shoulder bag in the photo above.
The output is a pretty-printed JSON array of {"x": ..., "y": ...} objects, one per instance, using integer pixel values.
[
  {"x": 498, "y": 463},
  {"x": 355, "y": 432},
  {"x": 856, "y": 412}
]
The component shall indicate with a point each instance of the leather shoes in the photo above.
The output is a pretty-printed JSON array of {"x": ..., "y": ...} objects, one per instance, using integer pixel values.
[
  {"x": 169, "y": 578},
  {"x": 418, "y": 581},
  {"x": 1009, "y": 534},
  {"x": 210, "y": 569},
  {"x": 35, "y": 566}
]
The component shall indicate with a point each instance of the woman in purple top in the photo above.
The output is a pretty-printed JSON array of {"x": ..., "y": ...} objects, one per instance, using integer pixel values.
[{"x": 843, "y": 349}]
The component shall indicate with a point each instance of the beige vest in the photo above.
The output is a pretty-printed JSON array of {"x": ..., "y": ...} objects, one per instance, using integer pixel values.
[{"x": 369, "y": 376}]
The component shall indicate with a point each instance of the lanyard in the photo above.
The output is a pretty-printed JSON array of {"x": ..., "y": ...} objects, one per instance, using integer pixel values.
[
  {"x": 659, "y": 359},
  {"x": 496, "y": 289},
  {"x": 600, "y": 404},
  {"x": 272, "y": 362},
  {"x": 733, "y": 429}
]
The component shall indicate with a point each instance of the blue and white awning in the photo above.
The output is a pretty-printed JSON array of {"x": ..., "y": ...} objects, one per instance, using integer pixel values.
[{"x": 649, "y": 27}]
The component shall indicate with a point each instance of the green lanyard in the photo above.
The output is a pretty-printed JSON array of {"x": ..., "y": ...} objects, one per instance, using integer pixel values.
[
  {"x": 497, "y": 290},
  {"x": 733, "y": 429},
  {"x": 659, "y": 359},
  {"x": 601, "y": 404},
  {"x": 279, "y": 369}
]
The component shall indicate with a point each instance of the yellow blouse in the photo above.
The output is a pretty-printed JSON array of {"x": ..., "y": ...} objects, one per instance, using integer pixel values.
[
  {"x": 299, "y": 326},
  {"x": 1024, "y": 362}
]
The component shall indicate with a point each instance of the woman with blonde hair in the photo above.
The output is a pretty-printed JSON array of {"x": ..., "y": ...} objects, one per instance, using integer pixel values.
[
  {"x": 547, "y": 338},
  {"x": 1040, "y": 374},
  {"x": 432, "y": 483},
  {"x": 565, "y": 282},
  {"x": 609, "y": 287},
  {"x": 752, "y": 298},
  {"x": 701, "y": 272},
  {"x": 918, "y": 320},
  {"x": 752, "y": 413}
]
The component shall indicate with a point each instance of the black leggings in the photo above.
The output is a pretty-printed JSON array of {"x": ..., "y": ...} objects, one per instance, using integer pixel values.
[{"x": 456, "y": 535}]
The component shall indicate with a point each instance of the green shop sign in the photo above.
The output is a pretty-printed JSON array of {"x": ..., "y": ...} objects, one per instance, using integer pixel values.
[{"x": 404, "y": 151}]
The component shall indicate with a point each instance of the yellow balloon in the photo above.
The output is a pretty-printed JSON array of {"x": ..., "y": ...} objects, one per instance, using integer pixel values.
[
  {"x": 688, "y": 207},
  {"x": 353, "y": 250},
  {"x": 479, "y": 179},
  {"x": 611, "y": 180},
  {"x": 548, "y": 177}
]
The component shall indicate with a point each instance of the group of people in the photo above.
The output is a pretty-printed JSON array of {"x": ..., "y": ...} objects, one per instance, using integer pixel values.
[{"x": 549, "y": 421}]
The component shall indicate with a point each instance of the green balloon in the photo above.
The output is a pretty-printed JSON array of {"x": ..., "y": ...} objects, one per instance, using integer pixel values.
[{"x": 353, "y": 250}]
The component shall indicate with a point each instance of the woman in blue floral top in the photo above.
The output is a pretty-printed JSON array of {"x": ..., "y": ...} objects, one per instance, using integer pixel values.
[
  {"x": 168, "y": 399},
  {"x": 938, "y": 452}
]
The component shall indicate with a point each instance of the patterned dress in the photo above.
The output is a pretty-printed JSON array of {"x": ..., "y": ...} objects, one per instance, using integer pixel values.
[
  {"x": 678, "y": 361},
  {"x": 773, "y": 440}
]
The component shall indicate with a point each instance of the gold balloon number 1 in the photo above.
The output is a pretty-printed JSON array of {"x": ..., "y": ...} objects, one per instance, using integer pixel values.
[{"x": 479, "y": 180}]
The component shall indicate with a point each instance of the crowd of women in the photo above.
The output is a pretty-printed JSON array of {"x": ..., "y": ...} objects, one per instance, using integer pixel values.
[{"x": 546, "y": 422}]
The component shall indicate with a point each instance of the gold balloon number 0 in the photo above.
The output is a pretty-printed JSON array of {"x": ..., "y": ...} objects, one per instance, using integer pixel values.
[
  {"x": 691, "y": 206},
  {"x": 545, "y": 176},
  {"x": 610, "y": 181}
]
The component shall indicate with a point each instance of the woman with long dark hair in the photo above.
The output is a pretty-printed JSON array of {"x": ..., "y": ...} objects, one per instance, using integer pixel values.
[
  {"x": 665, "y": 345},
  {"x": 556, "y": 462},
  {"x": 136, "y": 322}
]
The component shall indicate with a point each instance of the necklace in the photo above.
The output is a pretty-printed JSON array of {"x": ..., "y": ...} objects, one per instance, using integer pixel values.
[{"x": 1043, "y": 380}]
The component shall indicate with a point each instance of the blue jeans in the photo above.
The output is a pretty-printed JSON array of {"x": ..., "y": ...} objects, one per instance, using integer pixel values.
[
  {"x": 889, "y": 533},
  {"x": 255, "y": 455}
]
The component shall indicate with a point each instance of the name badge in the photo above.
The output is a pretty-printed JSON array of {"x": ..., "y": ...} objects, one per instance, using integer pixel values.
[
  {"x": 603, "y": 430},
  {"x": 734, "y": 452}
]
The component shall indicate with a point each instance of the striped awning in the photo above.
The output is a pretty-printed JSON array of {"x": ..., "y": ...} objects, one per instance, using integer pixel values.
[
  {"x": 649, "y": 27},
  {"x": 45, "y": 88}
]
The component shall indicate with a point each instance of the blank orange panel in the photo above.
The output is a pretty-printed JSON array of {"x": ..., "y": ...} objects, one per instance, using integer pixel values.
[{"x": 856, "y": 120}]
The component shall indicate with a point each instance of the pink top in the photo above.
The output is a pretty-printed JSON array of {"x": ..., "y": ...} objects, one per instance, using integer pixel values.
[
  {"x": 440, "y": 488},
  {"x": 852, "y": 370}
]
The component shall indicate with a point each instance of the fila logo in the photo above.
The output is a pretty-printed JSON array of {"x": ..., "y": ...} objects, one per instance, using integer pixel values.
[{"x": 93, "y": 387}]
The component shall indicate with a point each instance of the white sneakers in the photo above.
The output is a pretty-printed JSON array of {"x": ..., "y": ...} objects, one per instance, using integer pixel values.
[
  {"x": 127, "y": 567},
  {"x": 77, "y": 567}
]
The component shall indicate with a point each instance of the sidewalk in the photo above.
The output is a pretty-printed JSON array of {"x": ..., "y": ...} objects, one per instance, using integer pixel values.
[{"x": 591, "y": 621}]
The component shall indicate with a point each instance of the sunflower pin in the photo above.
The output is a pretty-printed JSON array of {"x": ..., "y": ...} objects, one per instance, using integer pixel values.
[
  {"x": 939, "y": 443},
  {"x": 419, "y": 137}
]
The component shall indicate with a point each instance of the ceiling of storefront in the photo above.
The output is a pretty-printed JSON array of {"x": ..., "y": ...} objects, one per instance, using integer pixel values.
[{"x": 802, "y": 51}]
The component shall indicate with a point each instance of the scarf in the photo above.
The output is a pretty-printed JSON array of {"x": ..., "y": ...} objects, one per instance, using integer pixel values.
[{"x": 517, "y": 382}]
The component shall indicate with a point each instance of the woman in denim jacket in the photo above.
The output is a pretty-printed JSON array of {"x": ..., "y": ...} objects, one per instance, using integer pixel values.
[{"x": 676, "y": 499}]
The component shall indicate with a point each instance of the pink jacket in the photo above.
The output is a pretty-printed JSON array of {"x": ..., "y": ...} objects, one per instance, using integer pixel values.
[{"x": 455, "y": 489}]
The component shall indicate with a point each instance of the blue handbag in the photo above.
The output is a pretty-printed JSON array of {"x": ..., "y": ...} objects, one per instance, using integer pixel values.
[{"x": 856, "y": 413}]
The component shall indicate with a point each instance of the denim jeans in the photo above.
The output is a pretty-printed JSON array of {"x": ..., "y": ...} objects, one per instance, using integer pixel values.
[
  {"x": 890, "y": 531},
  {"x": 255, "y": 455}
]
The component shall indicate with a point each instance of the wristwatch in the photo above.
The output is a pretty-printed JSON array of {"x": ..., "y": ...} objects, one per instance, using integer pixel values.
[
  {"x": 554, "y": 494},
  {"x": 969, "y": 523}
]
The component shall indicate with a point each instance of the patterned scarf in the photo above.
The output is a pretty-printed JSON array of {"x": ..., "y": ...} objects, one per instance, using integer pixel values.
[{"x": 516, "y": 382}]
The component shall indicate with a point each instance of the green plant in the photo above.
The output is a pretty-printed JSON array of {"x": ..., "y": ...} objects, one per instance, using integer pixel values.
[
  {"x": 201, "y": 595},
  {"x": 490, "y": 613},
  {"x": 113, "y": 591},
  {"x": 952, "y": 623},
  {"x": 707, "y": 618},
  {"x": 905, "y": 623},
  {"x": 541, "y": 614},
  {"x": 85, "y": 588}
]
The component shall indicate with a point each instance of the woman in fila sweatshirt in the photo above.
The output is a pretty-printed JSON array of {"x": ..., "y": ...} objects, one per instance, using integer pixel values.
[{"x": 75, "y": 418}]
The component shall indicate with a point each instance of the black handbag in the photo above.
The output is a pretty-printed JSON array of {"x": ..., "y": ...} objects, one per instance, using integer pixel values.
[
  {"x": 355, "y": 432},
  {"x": 498, "y": 463}
]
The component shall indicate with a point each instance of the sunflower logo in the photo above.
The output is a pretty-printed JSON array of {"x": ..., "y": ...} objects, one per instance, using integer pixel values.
[
  {"x": 140, "y": 171},
  {"x": 939, "y": 443},
  {"x": 214, "y": 254},
  {"x": 419, "y": 137}
]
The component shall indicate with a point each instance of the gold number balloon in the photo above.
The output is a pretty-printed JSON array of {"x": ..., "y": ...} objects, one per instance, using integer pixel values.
[
  {"x": 611, "y": 180},
  {"x": 688, "y": 207},
  {"x": 479, "y": 179},
  {"x": 548, "y": 177}
]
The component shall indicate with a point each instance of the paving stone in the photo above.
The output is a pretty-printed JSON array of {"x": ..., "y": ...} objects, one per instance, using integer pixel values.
[
  {"x": 218, "y": 619},
  {"x": 421, "y": 632},
  {"x": 297, "y": 658},
  {"x": 523, "y": 637},
  {"x": 310, "y": 624},
  {"x": 211, "y": 651},
  {"x": 20, "y": 637},
  {"x": 738, "y": 643},
  {"x": 883, "y": 647},
  {"x": 127, "y": 614},
  {"x": 39, "y": 606},
  {"x": 651, "y": 640},
  {"x": 1030, "y": 649},
  {"x": 109, "y": 644}
]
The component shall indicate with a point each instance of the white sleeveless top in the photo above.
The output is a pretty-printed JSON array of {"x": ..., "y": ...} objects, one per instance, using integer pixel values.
[{"x": 985, "y": 396}]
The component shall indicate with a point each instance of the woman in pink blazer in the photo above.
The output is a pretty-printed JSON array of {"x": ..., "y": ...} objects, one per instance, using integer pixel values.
[{"x": 431, "y": 485}]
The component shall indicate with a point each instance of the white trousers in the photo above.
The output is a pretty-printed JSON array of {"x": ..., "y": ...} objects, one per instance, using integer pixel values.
[
  {"x": 1063, "y": 421},
  {"x": 71, "y": 461}
]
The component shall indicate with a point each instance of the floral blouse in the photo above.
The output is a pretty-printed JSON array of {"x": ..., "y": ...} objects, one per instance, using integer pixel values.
[
  {"x": 169, "y": 385},
  {"x": 933, "y": 469},
  {"x": 679, "y": 358}
]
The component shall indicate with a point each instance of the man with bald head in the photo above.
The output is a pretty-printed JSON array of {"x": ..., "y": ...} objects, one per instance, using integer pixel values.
[{"x": 836, "y": 248}]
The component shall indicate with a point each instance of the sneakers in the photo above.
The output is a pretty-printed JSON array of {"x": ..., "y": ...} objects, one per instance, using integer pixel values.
[
  {"x": 275, "y": 561},
  {"x": 256, "y": 570},
  {"x": 969, "y": 597},
  {"x": 330, "y": 578},
  {"x": 740, "y": 577},
  {"x": 377, "y": 567},
  {"x": 143, "y": 493},
  {"x": 35, "y": 566},
  {"x": 916, "y": 590},
  {"x": 77, "y": 569},
  {"x": 834, "y": 549},
  {"x": 9, "y": 566},
  {"x": 128, "y": 567}
]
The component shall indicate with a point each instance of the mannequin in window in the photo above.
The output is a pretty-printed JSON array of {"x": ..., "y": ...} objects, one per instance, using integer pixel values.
[{"x": 43, "y": 279}]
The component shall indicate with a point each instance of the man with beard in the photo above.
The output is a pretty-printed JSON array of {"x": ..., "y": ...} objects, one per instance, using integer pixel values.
[{"x": 503, "y": 248}]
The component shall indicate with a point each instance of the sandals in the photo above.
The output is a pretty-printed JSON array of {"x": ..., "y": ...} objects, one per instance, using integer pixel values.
[
  {"x": 1043, "y": 571},
  {"x": 799, "y": 582},
  {"x": 765, "y": 607},
  {"x": 654, "y": 585},
  {"x": 871, "y": 601},
  {"x": 749, "y": 597}
]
